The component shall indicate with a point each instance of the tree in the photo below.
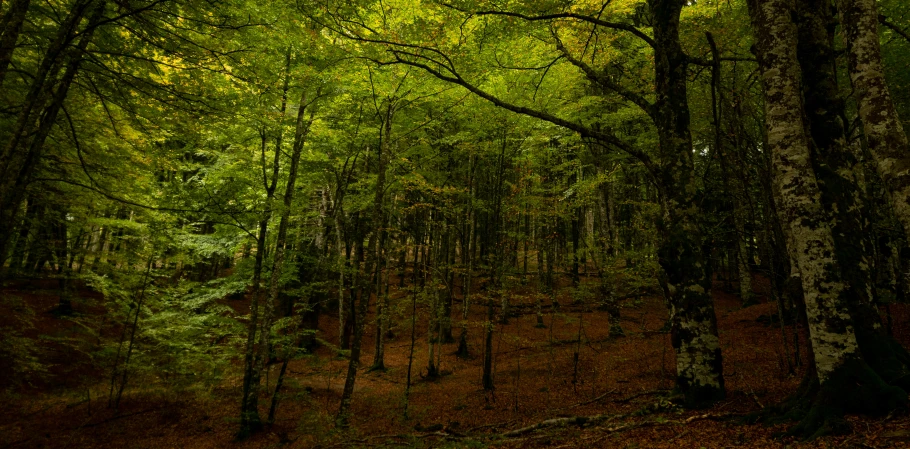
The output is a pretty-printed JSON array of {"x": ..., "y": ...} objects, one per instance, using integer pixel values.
[{"x": 839, "y": 364}]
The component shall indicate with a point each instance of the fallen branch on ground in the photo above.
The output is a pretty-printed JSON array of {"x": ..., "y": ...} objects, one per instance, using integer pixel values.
[
  {"x": 580, "y": 421},
  {"x": 587, "y": 421}
]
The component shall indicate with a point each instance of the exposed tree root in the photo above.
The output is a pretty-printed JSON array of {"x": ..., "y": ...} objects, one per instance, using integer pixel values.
[
  {"x": 856, "y": 388},
  {"x": 819, "y": 409}
]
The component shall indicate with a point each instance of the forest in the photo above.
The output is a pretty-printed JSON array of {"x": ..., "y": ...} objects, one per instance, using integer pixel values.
[{"x": 454, "y": 223}]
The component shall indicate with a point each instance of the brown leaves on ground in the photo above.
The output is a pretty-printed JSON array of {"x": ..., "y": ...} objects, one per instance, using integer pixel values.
[{"x": 538, "y": 377}]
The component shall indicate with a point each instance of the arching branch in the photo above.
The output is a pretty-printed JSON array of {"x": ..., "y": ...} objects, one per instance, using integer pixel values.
[
  {"x": 564, "y": 15},
  {"x": 604, "y": 81},
  {"x": 408, "y": 58}
]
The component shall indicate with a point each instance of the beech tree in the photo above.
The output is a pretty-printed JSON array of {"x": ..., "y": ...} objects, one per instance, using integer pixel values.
[{"x": 250, "y": 190}]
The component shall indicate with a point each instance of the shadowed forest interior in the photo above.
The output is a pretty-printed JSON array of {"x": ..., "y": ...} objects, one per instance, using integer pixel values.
[{"x": 604, "y": 223}]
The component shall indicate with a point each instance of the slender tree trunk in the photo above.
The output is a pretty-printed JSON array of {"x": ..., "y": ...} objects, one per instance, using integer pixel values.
[
  {"x": 11, "y": 27},
  {"x": 132, "y": 340},
  {"x": 488, "y": 327},
  {"x": 250, "y": 421},
  {"x": 18, "y": 166},
  {"x": 382, "y": 316},
  {"x": 542, "y": 282},
  {"x": 448, "y": 275},
  {"x": 26, "y": 229},
  {"x": 371, "y": 268},
  {"x": 734, "y": 187},
  {"x": 467, "y": 254},
  {"x": 302, "y": 129}
]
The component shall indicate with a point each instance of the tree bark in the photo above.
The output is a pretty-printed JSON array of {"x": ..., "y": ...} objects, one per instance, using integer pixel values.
[
  {"x": 836, "y": 162},
  {"x": 884, "y": 132},
  {"x": 845, "y": 381},
  {"x": 699, "y": 366}
]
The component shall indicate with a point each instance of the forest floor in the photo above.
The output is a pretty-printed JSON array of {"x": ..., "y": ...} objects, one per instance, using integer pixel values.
[{"x": 538, "y": 376}]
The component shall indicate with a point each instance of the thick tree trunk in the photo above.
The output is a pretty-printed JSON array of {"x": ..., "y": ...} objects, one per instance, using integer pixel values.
[
  {"x": 699, "y": 366},
  {"x": 883, "y": 129},
  {"x": 845, "y": 381},
  {"x": 835, "y": 161},
  {"x": 798, "y": 191}
]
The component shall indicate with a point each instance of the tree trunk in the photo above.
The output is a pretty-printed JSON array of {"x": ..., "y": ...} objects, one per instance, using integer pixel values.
[
  {"x": 370, "y": 271},
  {"x": 12, "y": 26},
  {"x": 699, "y": 367},
  {"x": 302, "y": 129},
  {"x": 835, "y": 161},
  {"x": 884, "y": 132},
  {"x": 18, "y": 166},
  {"x": 250, "y": 421},
  {"x": 846, "y": 381}
]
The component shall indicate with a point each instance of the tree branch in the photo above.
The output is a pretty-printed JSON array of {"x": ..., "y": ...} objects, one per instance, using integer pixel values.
[
  {"x": 891, "y": 26},
  {"x": 604, "y": 81},
  {"x": 455, "y": 78},
  {"x": 564, "y": 15}
]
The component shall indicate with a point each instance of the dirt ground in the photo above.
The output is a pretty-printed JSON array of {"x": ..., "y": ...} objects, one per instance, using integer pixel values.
[{"x": 538, "y": 376}]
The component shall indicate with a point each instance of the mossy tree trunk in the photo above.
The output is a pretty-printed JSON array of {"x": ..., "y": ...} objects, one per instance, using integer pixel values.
[
  {"x": 845, "y": 381},
  {"x": 885, "y": 135},
  {"x": 835, "y": 161},
  {"x": 699, "y": 366}
]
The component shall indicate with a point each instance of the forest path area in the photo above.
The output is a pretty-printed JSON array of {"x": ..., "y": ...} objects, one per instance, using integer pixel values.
[{"x": 538, "y": 377}]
